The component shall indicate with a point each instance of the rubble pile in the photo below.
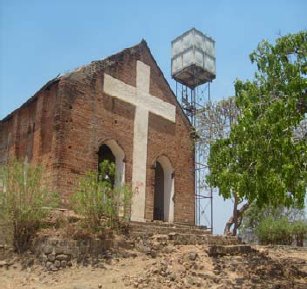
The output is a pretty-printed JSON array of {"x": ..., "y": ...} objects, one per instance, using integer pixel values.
[{"x": 237, "y": 267}]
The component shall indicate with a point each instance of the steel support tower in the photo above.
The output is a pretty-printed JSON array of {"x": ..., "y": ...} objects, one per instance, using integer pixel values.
[
  {"x": 192, "y": 102},
  {"x": 193, "y": 69}
]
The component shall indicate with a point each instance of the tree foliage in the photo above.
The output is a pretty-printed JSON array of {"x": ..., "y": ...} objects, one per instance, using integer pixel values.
[{"x": 261, "y": 160}]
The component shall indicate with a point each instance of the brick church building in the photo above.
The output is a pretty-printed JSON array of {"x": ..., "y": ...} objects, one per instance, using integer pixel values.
[{"x": 120, "y": 108}]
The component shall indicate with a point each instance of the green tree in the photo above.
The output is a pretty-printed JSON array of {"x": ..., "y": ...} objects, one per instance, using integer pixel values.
[{"x": 261, "y": 160}]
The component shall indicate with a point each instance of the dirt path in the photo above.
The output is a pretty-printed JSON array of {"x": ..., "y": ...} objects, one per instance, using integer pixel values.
[{"x": 109, "y": 276}]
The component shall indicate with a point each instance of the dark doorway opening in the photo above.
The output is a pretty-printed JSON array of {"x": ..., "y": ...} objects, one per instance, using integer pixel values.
[
  {"x": 105, "y": 154},
  {"x": 159, "y": 193}
]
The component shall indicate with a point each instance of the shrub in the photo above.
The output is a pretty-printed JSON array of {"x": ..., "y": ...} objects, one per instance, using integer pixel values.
[
  {"x": 24, "y": 201},
  {"x": 99, "y": 202},
  {"x": 299, "y": 232},
  {"x": 274, "y": 231},
  {"x": 260, "y": 223}
]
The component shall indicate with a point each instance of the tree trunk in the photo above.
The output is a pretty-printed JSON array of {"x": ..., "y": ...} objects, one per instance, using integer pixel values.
[
  {"x": 236, "y": 219},
  {"x": 235, "y": 215}
]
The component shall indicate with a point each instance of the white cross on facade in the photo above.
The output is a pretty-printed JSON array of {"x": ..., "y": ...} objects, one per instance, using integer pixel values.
[{"x": 144, "y": 103}]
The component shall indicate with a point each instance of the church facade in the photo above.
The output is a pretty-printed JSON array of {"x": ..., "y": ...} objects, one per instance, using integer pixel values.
[{"x": 119, "y": 108}]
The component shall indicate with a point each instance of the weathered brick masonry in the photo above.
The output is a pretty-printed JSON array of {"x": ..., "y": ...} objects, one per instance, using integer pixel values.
[{"x": 63, "y": 125}]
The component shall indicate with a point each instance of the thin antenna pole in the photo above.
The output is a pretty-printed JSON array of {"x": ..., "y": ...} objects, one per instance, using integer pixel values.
[{"x": 211, "y": 200}]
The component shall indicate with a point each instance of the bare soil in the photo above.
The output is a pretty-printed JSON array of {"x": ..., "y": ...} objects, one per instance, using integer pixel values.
[{"x": 176, "y": 267}]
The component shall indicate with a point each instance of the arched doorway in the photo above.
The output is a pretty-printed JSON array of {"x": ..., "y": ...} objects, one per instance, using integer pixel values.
[
  {"x": 164, "y": 190},
  {"x": 112, "y": 152},
  {"x": 158, "y": 213}
]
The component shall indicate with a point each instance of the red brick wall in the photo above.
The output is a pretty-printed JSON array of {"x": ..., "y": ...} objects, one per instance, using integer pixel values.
[{"x": 29, "y": 132}]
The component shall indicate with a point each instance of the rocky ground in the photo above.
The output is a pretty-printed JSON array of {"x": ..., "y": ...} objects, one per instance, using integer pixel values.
[{"x": 182, "y": 266}]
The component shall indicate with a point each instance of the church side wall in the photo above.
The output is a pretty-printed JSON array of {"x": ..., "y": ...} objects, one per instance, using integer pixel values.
[
  {"x": 28, "y": 133},
  {"x": 4, "y": 132}
]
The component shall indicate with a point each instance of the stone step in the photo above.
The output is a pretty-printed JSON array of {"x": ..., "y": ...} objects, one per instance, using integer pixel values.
[
  {"x": 165, "y": 228},
  {"x": 177, "y": 234},
  {"x": 155, "y": 231},
  {"x": 188, "y": 239},
  {"x": 191, "y": 239},
  {"x": 163, "y": 224},
  {"x": 185, "y": 239}
]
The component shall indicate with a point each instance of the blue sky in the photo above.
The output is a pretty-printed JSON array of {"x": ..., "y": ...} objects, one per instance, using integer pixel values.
[{"x": 40, "y": 39}]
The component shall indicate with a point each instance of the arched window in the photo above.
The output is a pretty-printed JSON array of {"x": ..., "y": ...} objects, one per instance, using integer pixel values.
[
  {"x": 113, "y": 153},
  {"x": 105, "y": 154}
]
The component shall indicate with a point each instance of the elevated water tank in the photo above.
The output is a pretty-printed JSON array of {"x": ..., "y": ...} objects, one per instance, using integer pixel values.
[{"x": 193, "y": 58}]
